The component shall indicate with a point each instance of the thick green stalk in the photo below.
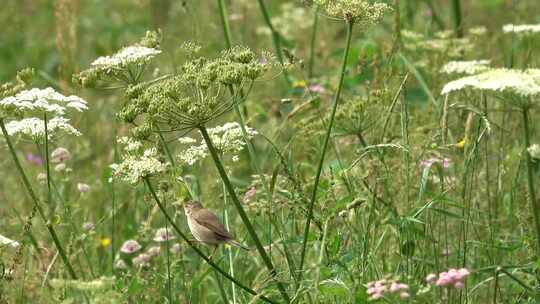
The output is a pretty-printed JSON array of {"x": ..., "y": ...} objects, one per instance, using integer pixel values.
[
  {"x": 225, "y": 22},
  {"x": 35, "y": 200},
  {"x": 535, "y": 207},
  {"x": 251, "y": 230},
  {"x": 276, "y": 39},
  {"x": 325, "y": 145},
  {"x": 197, "y": 250},
  {"x": 456, "y": 13},
  {"x": 257, "y": 169}
]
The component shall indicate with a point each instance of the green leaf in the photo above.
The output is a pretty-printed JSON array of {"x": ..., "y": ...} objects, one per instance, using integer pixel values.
[{"x": 334, "y": 288}]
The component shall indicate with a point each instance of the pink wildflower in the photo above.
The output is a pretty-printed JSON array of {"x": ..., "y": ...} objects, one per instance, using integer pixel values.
[{"x": 130, "y": 246}]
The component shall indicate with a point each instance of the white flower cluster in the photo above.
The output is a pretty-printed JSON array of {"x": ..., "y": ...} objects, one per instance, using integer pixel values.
[
  {"x": 465, "y": 67},
  {"x": 442, "y": 42},
  {"x": 292, "y": 21},
  {"x": 227, "y": 139},
  {"x": 522, "y": 83},
  {"x": 193, "y": 154},
  {"x": 130, "y": 145},
  {"x": 362, "y": 12},
  {"x": 478, "y": 30},
  {"x": 534, "y": 151},
  {"x": 35, "y": 128},
  {"x": 4, "y": 241},
  {"x": 134, "y": 54},
  {"x": 522, "y": 28},
  {"x": 37, "y": 102},
  {"x": 137, "y": 165},
  {"x": 44, "y": 100},
  {"x": 101, "y": 284}
]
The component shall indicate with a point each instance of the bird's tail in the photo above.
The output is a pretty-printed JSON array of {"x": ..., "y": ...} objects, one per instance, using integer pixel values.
[{"x": 237, "y": 244}]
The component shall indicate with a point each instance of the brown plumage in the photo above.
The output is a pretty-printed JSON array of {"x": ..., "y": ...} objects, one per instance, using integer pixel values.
[{"x": 206, "y": 226}]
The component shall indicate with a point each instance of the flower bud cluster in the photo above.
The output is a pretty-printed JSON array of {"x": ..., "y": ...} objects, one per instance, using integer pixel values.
[
  {"x": 22, "y": 80},
  {"x": 196, "y": 95},
  {"x": 361, "y": 12}
]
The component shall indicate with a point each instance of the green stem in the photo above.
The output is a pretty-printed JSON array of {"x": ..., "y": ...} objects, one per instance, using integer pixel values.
[
  {"x": 225, "y": 22},
  {"x": 434, "y": 15},
  {"x": 173, "y": 164},
  {"x": 35, "y": 200},
  {"x": 456, "y": 13},
  {"x": 535, "y": 207},
  {"x": 496, "y": 286},
  {"x": 276, "y": 39},
  {"x": 251, "y": 230},
  {"x": 222, "y": 292},
  {"x": 325, "y": 146},
  {"x": 257, "y": 169},
  {"x": 312, "y": 43},
  {"x": 517, "y": 280},
  {"x": 47, "y": 162},
  {"x": 197, "y": 250}
]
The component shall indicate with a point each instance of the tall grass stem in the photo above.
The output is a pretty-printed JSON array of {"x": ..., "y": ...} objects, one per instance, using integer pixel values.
[
  {"x": 325, "y": 146},
  {"x": 276, "y": 39},
  {"x": 535, "y": 207}
]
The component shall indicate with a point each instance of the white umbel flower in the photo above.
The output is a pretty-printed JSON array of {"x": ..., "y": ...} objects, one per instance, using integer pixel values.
[
  {"x": 229, "y": 137},
  {"x": 522, "y": 28},
  {"x": 522, "y": 83},
  {"x": 187, "y": 140},
  {"x": 134, "y": 54},
  {"x": 534, "y": 151},
  {"x": 45, "y": 100},
  {"x": 4, "y": 241},
  {"x": 135, "y": 167},
  {"x": 226, "y": 139},
  {"x": 465, "y": 67},
  {"x": 193, "y": 154},
  {"x": 130, "y": 145},
  {"x": 478, "y": 30},
  {"x": 35, "y": 128}
]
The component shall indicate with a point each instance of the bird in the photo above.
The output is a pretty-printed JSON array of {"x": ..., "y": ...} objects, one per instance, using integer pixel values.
[{"x": 206, "y": 227}]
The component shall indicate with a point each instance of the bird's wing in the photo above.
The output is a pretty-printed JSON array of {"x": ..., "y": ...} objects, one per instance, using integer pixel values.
[{"x": 209, "y": 220}]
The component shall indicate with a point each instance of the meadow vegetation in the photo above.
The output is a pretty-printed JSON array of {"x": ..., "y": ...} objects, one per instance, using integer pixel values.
[{"x": 363, "y": 151}]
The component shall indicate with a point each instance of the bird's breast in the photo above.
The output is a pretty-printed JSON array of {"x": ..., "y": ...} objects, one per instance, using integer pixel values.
[{"x": 201, "y": 233}]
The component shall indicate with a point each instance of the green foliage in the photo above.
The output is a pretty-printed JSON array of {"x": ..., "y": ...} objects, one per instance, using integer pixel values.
[{"x": 414, "y": 181}]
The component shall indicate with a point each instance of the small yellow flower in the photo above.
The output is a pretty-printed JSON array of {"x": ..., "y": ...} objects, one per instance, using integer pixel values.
[
  {"x": 299, "y": 84},
  {"x": 461, "y": 143},
  {"x": 105, "y": 242}
]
